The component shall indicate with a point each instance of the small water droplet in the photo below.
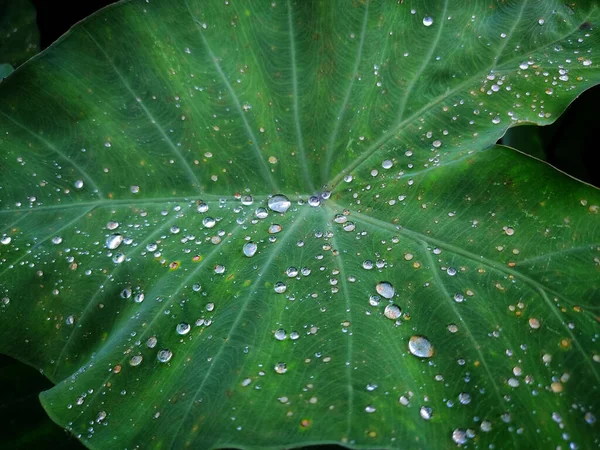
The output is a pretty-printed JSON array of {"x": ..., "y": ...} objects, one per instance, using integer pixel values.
[
  {"x": 5, "y": 240},
  {"x": 57, "y": 240},
  {"x": 370, "y": 409},
  {"x": 427, "y": 21},
  {"x": 280, "y": 368},
  {"x": 78, "y": 184}
]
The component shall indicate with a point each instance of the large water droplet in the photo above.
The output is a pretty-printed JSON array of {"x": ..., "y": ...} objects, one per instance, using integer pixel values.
[
  {"x": 113, "y": 242},
  {"x": 385, "y": 289},
  {"x": 183, "y": 328},
  {"x": 426, "y": 412},
  {"x": 280, "y": 287},
  {"x": 164, "y": 355},
  {"x": 459, "y": 436},
  {"x": 427, "y": 21},
  {"x": 420, "y": 346},
  {"x": 280, "y": 334},
  {"x": 392, "y": 312},
  {"x": 249, "y": 249},
  {"x": 279, "y": 203}
]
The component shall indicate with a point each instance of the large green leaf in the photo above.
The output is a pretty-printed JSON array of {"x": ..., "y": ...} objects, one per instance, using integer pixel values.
[
  {"x": 139, "y": 154},
  {"x": 19, "y": 35}
]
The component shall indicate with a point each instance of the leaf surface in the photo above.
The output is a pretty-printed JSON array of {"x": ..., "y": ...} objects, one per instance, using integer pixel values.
[{"x": 423, "y": 288}]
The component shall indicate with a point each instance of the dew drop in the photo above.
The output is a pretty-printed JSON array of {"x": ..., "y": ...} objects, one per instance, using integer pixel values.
[
  {"x": 183, "y": 328},
  {"x": 280, "y": 334},
  {"x": 5, "y": 240},
  {"x": 249, "y": 249},
  {"x": 370, "y": 409},
  {"x": 426, "y": 412},
  {"x": 427, "y": 21},
  {"x": 164, "y": 355},
  {"x": 280, "y": 287},
  {"x": 420, "y": 346},
  {"x": 78, "y": 184},
  {"x": 385, "y": 289},
  {"x": 279, "y": 203},
  {"x": 57, "y": 240},
  {"x": 392, "y": 312},
  {"x": 136, "y": 360},
  {"x": 459, "y": 436},
  {"x": 113, "y": 242},
  {"x": 280, "y": 368}
]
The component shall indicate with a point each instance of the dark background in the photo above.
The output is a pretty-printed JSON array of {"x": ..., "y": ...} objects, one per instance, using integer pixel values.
[{"x": 568, "y": 145}]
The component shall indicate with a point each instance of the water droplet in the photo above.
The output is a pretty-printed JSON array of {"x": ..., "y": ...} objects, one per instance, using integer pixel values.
[
  {"x": 202, "y": 207},
  {"x": 209, "y": 222},
  {"x": 367, "y": 264},
  {"x": 392, "y": 312},
  {"x": 113, "y": 242},
  {"x": 370, "y": 409},
  {"x": 374, "y": 300},
  {"x": 464, "y": 398},
  {"x": 426, "y": 412},
  {"x": 164, "y": 355},
  {"x": 249, "y": 249},
  {"x": 118, "y": 258},
  {"x": 420, "y": 346},
  {"x": 451, "y": 271},
  {"x": 459, "y": 298},
  {"x": 136, "y": 360},
  {"x": 294, "y": 335},
  {"x": 280, "y": 368},
  {"x": 274, "y": 228},
  {"x": 247, "y": 200},
  {"x": 183, "y": 328},
  {"x": 486, "y": 426},
  {"x": 151, "y": 247},
  {"x": 427, "y": 21},
  {"x": 5, "y": 240},
  {"x": 280, "y": 334},
  {"x": 57, "y": 240},
  {"x": 387, "y": 164},
  {"x": 340, "y": 218},
  {"x": 589, "y": 418},
  {"x": 291, "y": 272},
  {"x": 371, "y": 387},
  {"x": 279, "y": 203},
  {"x": 385, "y": 289},
  {"x": 126, "y": 293},
  {"x": 459, "y": 436},
  {"x": 112, "y": 225},
  {"x": 314, "y": 201},
  {"x": 78, "y": 184},
  {"x": 280, "y": 287},
  {"x": 437, "y": 143},
  {"x": 151, "y": 342}
]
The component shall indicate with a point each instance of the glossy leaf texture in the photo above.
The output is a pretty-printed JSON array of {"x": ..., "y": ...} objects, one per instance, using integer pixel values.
[
  {"x": 19, "y": 35},
  {"x": 273, "y": 224}
]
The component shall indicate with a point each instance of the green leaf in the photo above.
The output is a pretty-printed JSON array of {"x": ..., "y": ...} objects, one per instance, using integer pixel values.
[
  {"x": 19, "y": 35},
  {"x": 144, "y": 273}
]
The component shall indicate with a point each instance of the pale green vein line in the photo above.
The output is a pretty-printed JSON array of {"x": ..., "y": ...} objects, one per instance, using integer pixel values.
[
  {"x": 14, "y": 222},
  {"x": 62, "y": 155},
  {"x": 426, "y": 108},
  {"x": 543, "y": 290},
  {"x": 274, "y": 253},
  {"x": 516, "y": 23},
  {"x": 259, "y": 157},
  {"x": 424, "y": 65},
  {"x": 188, "y": 169},
  {"x": 448, "y": 299},
  {"x": 326, "y": 168},
  {"x": 207, "y": 198},
  {"x": 140, "y": 246},
  {"x": 295, "y": 95},
  {"x": 349, "y": 347},
  {"x": 44, "y": 239},
  {"x": 558, "y": 252}
]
